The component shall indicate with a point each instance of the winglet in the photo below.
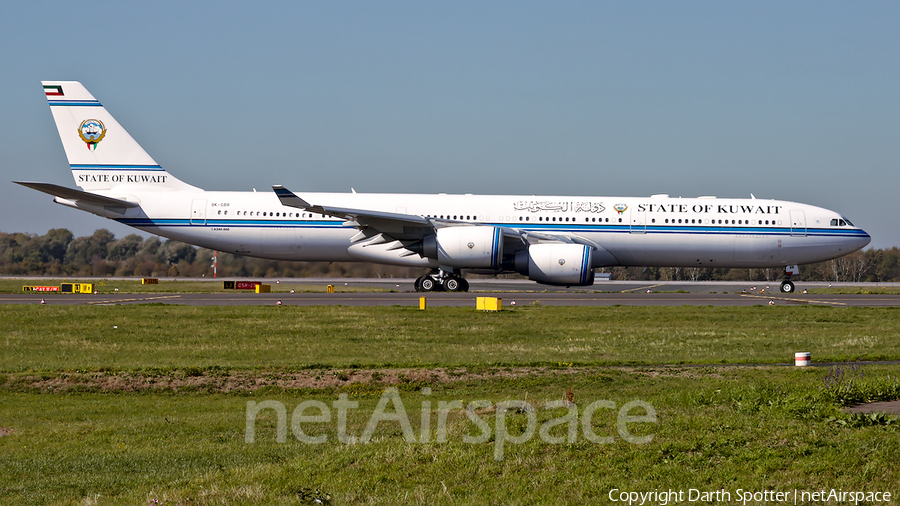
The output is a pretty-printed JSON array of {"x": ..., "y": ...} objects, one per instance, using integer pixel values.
[{"x": 288, "y": 198}]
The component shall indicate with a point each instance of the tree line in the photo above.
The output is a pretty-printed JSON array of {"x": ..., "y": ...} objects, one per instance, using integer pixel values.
[{"x": 60, "y": 253}]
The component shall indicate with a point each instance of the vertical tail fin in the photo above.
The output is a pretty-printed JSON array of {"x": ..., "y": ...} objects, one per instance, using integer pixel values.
[{"x": 102, "y": 155}]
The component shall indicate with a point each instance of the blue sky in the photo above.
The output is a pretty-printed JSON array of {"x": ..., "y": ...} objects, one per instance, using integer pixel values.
[{"x": 795, "y": 101}]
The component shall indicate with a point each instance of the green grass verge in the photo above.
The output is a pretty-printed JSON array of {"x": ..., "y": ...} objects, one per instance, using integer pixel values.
[
  {"x": 154, "y": 411},
  {"x": 58, "y": 338},
  {"x": 751, "y": 429},
  {"x": 858, "y": 290}
]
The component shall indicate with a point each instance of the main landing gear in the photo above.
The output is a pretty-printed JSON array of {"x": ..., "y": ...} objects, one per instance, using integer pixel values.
[
  {"x": 787, "y": 286},
  {"x": 441, "y": 281}
]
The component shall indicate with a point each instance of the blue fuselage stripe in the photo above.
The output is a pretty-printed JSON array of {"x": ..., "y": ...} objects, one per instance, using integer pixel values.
[
  {"x": 114, "y": 167},
  {"x": 616, "y": 229},
  {"x": 75, "y": 103}
]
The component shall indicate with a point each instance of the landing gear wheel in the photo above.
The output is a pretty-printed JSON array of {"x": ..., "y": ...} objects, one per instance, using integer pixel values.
[
  {"x": 787, "y": 286},
  {"x": 428, "y": 284},
  {"x": 463, "y": 285},
  {"x": 418, "y": 284},
  {"x": 453, "y": 285}
]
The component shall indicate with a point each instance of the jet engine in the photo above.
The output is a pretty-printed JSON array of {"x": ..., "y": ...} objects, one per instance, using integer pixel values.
[
  {"x": 467, "y": 247},
  {"x": 557, "y": 264}
]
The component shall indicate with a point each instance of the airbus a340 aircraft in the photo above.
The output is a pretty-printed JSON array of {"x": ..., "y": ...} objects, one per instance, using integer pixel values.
[{"x": 551, "y": 239}]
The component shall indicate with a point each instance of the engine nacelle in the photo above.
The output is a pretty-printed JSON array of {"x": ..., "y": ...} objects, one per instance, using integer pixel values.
[
  {"x": 466, "y": 247},
  {"x": 557, "y": 264}
]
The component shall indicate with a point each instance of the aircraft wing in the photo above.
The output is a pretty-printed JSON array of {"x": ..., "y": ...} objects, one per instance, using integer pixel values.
[
  {"x": 396, "y": 225},
  {"x": 78, "y": 195},
  {"x": 288, "y": 198},
  {"x": 405, "y": 227}
]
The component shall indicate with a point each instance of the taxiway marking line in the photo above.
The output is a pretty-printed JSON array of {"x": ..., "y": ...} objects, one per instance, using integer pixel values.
[
  {"x": 138, "y": 299},
  {"x": 642, "y": 288},
  {"x": 807, "y": 301}
]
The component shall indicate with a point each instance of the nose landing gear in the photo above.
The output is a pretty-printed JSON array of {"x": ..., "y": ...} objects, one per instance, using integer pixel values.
[
  {"x": 439, "y": 281},
  {"x": 787, "y": 286}
]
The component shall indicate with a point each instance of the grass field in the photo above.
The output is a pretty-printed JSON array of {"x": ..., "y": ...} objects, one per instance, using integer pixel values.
[
  {"x": 52, "y": 338},
  {"x": 155, "y": 411},
  {"x": 877, "y": 290}
]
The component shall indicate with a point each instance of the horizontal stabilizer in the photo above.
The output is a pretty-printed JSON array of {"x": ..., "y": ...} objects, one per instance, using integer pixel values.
[{"x": 73, "y": 194}]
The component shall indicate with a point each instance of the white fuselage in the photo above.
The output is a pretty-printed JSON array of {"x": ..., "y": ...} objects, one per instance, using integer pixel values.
[
  {"x": 552, "y": 240},
  {"x": 654, "y": 231}
]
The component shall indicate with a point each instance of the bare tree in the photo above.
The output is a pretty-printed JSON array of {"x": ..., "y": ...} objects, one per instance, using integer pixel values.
[{"x": 694, "y": 273}]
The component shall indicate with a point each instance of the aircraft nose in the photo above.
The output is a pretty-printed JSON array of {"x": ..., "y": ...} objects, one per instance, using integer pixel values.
[{"x": 862, "y": 240}]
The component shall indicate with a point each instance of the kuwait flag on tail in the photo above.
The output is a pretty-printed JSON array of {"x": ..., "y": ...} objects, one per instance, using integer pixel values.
[{"x": 53, "y": 90}]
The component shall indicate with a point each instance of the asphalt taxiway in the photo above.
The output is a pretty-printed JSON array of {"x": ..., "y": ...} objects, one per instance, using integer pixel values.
[{"x": 512, "y": 292}]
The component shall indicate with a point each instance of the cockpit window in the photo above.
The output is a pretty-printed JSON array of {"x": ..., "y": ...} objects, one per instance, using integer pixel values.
[
  {"x": 845, "y": 220},
  {"x": 834, "y": 223}
]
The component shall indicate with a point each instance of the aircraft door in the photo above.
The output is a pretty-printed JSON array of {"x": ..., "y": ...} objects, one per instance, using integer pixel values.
[
  {"x": 198, "y": 212},
  {"x": 798, "y": 224},
  {"x": 638, "y": 221}
]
